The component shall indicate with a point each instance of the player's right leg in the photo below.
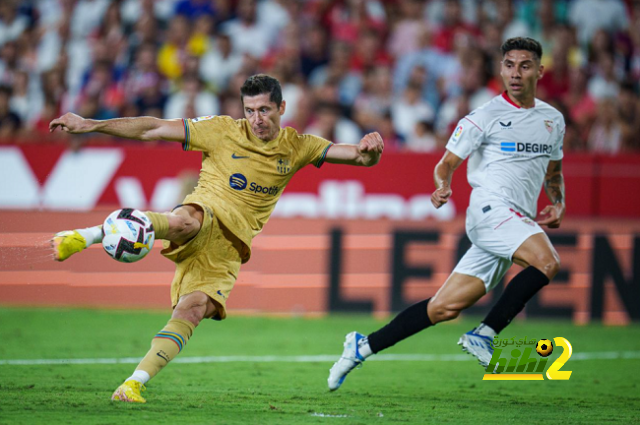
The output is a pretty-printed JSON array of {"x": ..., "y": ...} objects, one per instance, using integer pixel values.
[
  {"x": 211, "y": 253},
  {"x": 167, "y": 344},
  {"x": 458, "y": 292},
  {"x": 178, "y": 226}
]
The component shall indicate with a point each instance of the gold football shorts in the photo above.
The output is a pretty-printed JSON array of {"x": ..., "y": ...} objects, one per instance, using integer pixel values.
[{"x": 209, "y": 263}]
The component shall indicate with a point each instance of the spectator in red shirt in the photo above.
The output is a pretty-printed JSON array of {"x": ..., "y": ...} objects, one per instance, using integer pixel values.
[
  {"x": 556, "y": 81},
  {"x": 369, "y": 51},
  {"x": 452, "y": 27}
]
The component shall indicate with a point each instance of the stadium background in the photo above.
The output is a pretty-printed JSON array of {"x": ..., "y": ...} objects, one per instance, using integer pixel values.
[{"x": 341, "y": 239}]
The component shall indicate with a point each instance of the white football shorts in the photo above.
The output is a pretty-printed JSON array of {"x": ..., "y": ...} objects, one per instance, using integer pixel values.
[{"x": 495, "y": 239}]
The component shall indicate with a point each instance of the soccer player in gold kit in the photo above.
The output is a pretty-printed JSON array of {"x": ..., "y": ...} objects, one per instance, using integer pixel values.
[{"x": 246, "y": 165}]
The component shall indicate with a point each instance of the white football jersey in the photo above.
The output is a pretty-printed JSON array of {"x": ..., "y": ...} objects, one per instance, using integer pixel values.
[{"x": 509, "y": 149}]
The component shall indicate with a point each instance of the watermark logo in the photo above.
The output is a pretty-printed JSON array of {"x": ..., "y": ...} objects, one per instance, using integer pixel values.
[{"x": 529, "y": 362}]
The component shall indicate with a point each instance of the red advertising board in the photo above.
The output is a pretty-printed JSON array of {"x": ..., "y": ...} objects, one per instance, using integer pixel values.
[{"x": 155, "y": 177}]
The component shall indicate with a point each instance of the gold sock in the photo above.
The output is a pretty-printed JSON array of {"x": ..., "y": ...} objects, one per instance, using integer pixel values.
[
  {"x": 160, "y": 223},
  {"x": 166, "y": 345}
]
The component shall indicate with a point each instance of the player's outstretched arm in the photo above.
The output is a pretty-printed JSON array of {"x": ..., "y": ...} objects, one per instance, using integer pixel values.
[
  {"x": 366, "y": 153},
  {"x": 554, "y": 187},
  {"x": 442, "y": 175},
  {"x": 139, "y": 128}
]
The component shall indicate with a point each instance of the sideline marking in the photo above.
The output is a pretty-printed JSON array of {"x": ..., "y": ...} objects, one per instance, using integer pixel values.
[{"x": 596, "y": 355}]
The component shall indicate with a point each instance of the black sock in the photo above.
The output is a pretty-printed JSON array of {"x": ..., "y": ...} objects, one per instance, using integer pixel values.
[
  {"x": 520, "y": 290},
  {"x": 408, "y": 322}
]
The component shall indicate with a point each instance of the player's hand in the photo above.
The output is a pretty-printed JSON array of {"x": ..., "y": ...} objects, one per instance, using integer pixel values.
[
  {"x": 441, "y": 196},
  {"x": 71, "y": 123},
  {"x": 552, "y": 216},
  {"x": 371, "y": 145}
]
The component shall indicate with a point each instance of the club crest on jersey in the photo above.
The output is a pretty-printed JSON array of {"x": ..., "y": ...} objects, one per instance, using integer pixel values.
[
  {"x": 204, "y": 118},
  {"x": 548, "y": 125},
  {"x": 283, "y": 165}
]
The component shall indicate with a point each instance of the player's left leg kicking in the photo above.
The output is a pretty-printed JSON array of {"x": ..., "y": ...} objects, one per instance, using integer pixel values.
[{"x": 179, "y": 227}]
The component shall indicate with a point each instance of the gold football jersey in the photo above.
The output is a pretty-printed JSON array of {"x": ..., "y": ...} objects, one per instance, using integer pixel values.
[{"x": 242, "y": 177}]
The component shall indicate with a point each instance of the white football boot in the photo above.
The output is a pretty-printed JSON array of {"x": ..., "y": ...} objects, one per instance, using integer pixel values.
[
  {"x": 479, "y": 346},
  {"x": 350, "y": 358}
]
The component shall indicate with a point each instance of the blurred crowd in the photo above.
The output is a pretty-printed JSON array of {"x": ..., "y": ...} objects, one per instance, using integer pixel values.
[{"x": 408, "y": 69}]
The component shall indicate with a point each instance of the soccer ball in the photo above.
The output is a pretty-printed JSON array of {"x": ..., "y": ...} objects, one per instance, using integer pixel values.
[
  {"x": 127, "y": 235},
  {"x": 544, "y": 347}
]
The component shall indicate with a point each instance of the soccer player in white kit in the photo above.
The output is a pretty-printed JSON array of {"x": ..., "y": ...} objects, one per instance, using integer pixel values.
[{"x": 514, "y": 145}]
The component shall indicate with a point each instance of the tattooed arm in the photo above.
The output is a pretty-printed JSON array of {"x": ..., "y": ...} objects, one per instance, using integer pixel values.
[{"x": 554, "y": 187}]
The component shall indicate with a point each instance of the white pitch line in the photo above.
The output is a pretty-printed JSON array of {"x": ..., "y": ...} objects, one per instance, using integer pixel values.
[
  {"x": 602, "y": 355},
  {"x": 326, "y": 415}
]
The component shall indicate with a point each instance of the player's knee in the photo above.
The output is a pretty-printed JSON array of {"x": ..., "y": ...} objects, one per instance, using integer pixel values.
[
  {"x": 193, "y": 315},
  {"x": 441, "y": 312},
  {"x": 183, "y": 226},
  {"x": 549, "y": 264},
  {"x": 553, "y": 267},
  {"x": 449, "y": 314},
  {"x": 192, "y": 307}
]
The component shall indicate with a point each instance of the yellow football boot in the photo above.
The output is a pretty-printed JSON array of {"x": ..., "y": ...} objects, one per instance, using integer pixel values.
[
  {"x": 67, "y": 243},
  {"x": 129, "y": 392}
]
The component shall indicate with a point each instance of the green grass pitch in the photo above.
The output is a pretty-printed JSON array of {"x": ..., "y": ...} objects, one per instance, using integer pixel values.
[{"x": 604, "y": 387}]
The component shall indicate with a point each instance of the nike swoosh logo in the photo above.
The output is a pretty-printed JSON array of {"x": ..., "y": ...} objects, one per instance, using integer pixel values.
[{"x": 234, "y": 156}]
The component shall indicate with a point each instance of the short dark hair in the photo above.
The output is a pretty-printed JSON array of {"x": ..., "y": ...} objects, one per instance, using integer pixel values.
[
  {"x": 522, "y": 43},
  {"x": 261, "y": 84}
]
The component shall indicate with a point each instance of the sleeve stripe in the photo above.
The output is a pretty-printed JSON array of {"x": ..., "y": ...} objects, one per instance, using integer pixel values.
[
  {"x": 323, "y": 156},
  {"x": 187, "y": 135},
  {"x": 473, "y": 123}
]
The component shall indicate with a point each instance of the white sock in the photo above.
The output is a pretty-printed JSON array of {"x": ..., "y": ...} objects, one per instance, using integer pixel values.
[
  {"x": 91, "y": 235},
  {"x": 485, "y": 330},
  {"x": 140, "y": 376},
  {"x": 364, "y": 348}
]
